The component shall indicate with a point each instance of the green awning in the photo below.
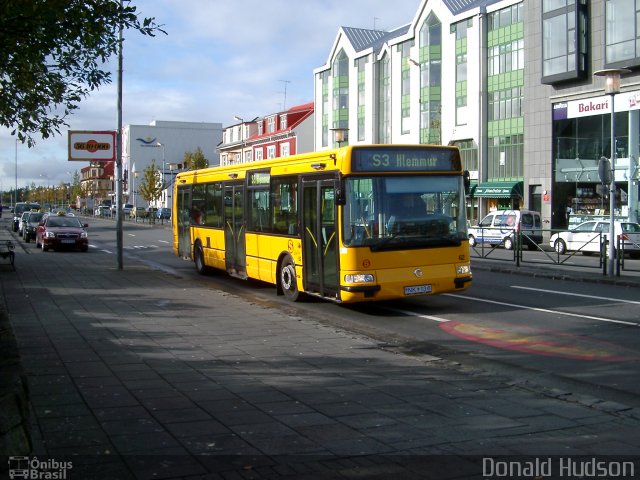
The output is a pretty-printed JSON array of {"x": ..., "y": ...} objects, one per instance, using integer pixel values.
[{"x": 499, "y": 190}]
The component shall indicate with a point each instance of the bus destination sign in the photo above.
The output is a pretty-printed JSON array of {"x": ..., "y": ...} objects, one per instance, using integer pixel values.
[{"x": 389, "y": 159}]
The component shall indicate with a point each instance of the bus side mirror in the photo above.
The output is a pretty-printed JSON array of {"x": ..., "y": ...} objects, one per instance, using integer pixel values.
[{"x": 466, "y": 176}]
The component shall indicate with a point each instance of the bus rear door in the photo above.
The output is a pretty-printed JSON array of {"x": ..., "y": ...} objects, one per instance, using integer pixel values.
[
  {"x": 234, "y": 231},
  {"x": 319, "y": 236},
  {"x": 182, "y": 221}
]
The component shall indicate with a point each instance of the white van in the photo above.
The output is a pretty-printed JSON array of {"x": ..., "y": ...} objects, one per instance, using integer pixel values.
[{"x": 502, "y": 226}]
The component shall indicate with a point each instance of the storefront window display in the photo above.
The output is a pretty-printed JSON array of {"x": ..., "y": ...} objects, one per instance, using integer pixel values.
[{"x": 581, "y": 136}]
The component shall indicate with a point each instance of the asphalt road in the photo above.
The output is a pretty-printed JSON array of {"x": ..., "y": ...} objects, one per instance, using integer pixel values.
[{"x": 575, "y": 336}]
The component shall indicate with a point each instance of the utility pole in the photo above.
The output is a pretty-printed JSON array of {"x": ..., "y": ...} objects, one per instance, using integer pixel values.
[
  {"x": 119, "y": 241},
  {"x": 284, "y": 103}
]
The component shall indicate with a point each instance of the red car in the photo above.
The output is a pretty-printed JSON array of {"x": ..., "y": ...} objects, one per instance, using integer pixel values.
[{"x": 62, "y": 232}]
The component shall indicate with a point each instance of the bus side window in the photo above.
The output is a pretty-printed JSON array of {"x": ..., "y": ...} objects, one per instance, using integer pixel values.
[
  {"x": 198, "y": 203},
  {"x": 258, "y": 220},
  {"x": 213, "y": 211},
  {"x": 284, "y": 191}
]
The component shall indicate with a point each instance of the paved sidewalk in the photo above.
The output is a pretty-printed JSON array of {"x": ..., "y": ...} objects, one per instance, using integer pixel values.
[{"x": 139, "y": 374}]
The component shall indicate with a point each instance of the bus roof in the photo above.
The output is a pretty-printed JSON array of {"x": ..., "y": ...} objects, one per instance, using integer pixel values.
[{"x": 443, "y": 158}]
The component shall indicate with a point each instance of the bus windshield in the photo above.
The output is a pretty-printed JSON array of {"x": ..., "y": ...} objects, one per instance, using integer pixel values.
[{"x": 400, "y": 212}]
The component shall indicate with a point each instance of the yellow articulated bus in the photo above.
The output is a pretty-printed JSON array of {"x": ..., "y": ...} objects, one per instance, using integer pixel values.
[{"x": 354, "y": 224}]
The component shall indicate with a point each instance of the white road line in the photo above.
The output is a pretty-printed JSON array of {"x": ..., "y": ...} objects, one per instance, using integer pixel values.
[
  {"x": 577, "y": 295},
  {"x": 414, "y": 314},
  {"x": 163, "y": 241},
  {"x": 543, "y": 310},
  {"x": 131, "y": 234}
]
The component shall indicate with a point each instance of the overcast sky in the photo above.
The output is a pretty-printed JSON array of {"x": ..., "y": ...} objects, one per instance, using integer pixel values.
[{"x": 220, "y": 58}]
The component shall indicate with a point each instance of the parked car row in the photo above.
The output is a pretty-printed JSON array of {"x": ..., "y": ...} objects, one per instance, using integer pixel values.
[
  {"x": 151, "y": 212},
  {"x": 54, "y": 230},
  {"x": 500, "y": 228},
  {"x": 110, "y": 210},
  {"x": 133, "y": 212}
]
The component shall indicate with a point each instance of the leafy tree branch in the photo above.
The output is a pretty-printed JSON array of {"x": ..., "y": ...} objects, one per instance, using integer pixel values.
[{"x": 54, "y": 53}]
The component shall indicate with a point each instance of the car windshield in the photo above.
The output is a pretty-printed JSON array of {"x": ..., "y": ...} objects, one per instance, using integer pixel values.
[
  {"x": 35, "y": 217},
  {"x": 400, "y": 212},
  {"x": 64, "y": 222},
  {"x": 631, "y": 228}
]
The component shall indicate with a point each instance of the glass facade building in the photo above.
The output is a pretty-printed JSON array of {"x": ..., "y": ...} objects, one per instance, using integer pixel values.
[{"x": 512, "y": 84}]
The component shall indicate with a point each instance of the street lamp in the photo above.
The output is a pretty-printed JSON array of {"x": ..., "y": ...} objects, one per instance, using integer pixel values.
[
  {"x": 340, "y": 135},
  {"x": 611, "y": 88},
  {"x": 241, "y": 120}
]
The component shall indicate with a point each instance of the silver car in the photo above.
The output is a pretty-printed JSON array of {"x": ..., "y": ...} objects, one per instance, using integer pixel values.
[{"x": 589, "y": 237}]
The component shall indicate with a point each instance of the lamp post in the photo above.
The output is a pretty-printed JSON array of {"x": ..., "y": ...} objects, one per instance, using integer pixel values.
[
  {"x": 241, "y": 120},
  {"x": 172, "y": 174},
  {"x": 612, "y": 88},
  {"x": 164, "y": 190},
  {"x": 340, "y": 135},
  {"x": 132, "y": 196}
]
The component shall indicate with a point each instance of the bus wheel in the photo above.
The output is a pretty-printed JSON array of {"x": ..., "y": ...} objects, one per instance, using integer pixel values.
[
  {"x": 198, "y": 259},
  {"x": 288, "y": 281}
]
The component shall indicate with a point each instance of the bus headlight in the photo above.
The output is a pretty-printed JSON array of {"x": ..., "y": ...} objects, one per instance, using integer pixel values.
[
  {"x": 359, "y": 278},
  {"x": 463, "y": 269}
]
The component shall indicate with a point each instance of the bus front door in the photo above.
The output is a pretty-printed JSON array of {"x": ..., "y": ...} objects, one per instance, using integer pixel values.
[
  {"x": 234, "y": 230},
  {"x": 320, "y": 237},
  {"x": 182, "y": 219}
]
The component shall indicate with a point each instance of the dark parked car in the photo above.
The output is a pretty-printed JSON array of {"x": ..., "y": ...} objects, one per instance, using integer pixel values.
[
  {"x": 30, "y": 225},
  {"x": 62, "y": 231},
  {"x": 19, "y": 209}
]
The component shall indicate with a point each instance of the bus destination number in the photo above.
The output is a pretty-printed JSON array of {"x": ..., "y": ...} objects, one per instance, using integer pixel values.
[{"x": 402, "y": 160}]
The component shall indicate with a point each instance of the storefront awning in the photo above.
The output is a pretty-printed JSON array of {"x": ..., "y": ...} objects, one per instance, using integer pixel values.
[{"x": 499, "y": 190}]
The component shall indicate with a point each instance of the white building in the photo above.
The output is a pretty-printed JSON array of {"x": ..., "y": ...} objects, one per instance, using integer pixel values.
[
  {"x": 439, "y": 79},
  {"x": 165, "y": 143}
]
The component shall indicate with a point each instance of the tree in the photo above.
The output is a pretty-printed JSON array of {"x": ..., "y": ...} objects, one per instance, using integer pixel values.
[
  {"x": 151, "y": 185},
  {"x": 76, "y": 187},
  {"x": 53, "y": 54},
  {"x": 195, "y": 160}
]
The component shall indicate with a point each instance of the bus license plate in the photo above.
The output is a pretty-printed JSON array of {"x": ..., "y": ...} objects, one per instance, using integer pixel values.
[{"x": 417, "y": 289}]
